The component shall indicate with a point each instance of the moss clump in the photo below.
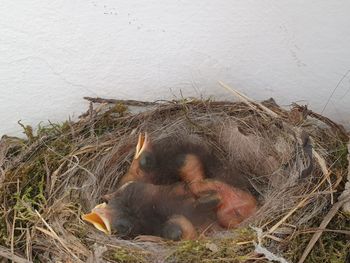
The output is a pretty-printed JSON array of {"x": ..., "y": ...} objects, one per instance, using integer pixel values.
[
  {"x": 25, "y": 187},
  {"x": 190, "y": 251},
  {"x": 122, "y": 255},
  {"x": 108, "y": 121},
  {"x": 233, "y": 249},
  {"x": 340, "y": 154},
  {"x": 332, "y": 247},
  {"x": 28, "y": 131}
]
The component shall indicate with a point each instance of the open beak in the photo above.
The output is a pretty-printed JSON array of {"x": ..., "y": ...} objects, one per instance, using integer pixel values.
[
  {"x": 100, "y": 217},
  {"x": 143, "y": 143},
  {"x": 134, "y": 173}
]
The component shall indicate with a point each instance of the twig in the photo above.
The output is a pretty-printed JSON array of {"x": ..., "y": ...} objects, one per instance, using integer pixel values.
[
  {"x": 55, "y": 236},
  {"x": 329, "y": 122},
  {"x": 300, "y": 204},
  {"x": 346, "y": 206},
  {"x": 248, "y": 100},
  {"x": 4, "y": 147},
  {"x": 322, "y": 163},
  {"x": 29, "y": 152},
  {"x": 332, "y": 212},
  {"x": 14, "y": 224},
  {"x": 28, "y": 245},
  {"x": 91, "y": 119},
  {"x": 313, "y": 230},
  {"x": 126, "y": 102},
  {"x": 6, "y": 253},
  {"x": 54, "y": 176}
]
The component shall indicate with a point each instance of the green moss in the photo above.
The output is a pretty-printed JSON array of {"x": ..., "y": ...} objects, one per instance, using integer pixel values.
[
  {"x": 190, "y": 251},
  {"x": 121, "y": 109},
  {"x": 53, "y": 129},
  {"x": 109, "y": 120},
  {"x": 24, "y": 188},
  {"x": 122, "y": 255},
  {"x": 340, "y": 154},
  {"x": 232, "y": 249},
  {"x": 28, "y": 131},
  {"x": 332, "y": 247}
]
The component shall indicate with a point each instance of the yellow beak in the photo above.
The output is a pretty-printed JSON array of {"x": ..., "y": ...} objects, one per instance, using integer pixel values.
[
  {"x": 142, "y": 144},
  {"x": 100, "y": 217}
]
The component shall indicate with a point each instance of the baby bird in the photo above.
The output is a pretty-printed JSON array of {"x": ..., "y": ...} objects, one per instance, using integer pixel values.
[
  {"x": 139, "y": 208},
  {"x": 233, "y": 204},
  {"x": 170, "y": 161},
  {"x": 173, "y": 189},
  {"x": 160, "y": 162}
]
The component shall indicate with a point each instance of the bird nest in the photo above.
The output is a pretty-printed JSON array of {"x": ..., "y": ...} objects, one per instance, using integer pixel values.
[{"x": 295, "y": 161}]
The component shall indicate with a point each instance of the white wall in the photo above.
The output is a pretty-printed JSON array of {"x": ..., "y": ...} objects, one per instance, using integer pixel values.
[{"x": 52, "y": 53}]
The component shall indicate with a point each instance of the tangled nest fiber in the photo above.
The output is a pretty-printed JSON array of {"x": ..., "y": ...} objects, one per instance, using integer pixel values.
[{"x": 52, "y": 177}]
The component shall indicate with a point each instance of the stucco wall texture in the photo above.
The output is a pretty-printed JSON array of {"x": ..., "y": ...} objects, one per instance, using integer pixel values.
[{"x": 52, "y": 53}]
